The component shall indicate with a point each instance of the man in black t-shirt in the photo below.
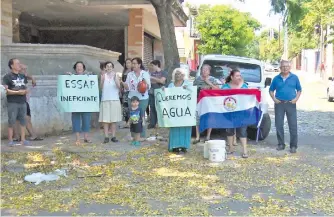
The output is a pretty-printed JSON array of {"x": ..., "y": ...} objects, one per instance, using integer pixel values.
[{"x": 16, "y": 89}]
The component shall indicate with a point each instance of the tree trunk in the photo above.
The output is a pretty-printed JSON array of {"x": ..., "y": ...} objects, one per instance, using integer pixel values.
[{"x": 163, "y": 10}]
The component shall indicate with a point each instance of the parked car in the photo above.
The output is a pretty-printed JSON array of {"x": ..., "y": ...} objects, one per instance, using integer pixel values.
[
  {"x": 276, "y": 67},
  {"x": 330, "y": 89},
  {"x": 186, "y": 69},
  {"x": 268, "y": 67},
  {"x": 252, "y": 71}
]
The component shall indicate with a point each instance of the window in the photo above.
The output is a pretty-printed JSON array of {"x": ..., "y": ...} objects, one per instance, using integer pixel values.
[{"x": 221, "y": 69}]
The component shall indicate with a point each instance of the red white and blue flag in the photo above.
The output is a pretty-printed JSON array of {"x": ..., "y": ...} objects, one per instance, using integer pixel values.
[{"x": 230, "y": 108}]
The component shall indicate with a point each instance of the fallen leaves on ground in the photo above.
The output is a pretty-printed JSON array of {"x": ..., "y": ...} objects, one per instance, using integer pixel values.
[{"x": 150, "y": 181}]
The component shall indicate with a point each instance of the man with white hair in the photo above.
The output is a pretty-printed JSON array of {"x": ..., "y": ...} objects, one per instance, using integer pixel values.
[{"x": 285, "y": 90}]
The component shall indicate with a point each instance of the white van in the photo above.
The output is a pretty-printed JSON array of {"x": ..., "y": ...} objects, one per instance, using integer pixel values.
[{"x": 252, "y": 71}]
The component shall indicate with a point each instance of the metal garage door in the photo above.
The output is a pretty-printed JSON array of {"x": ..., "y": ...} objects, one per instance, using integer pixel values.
[{"x": 148, "y": 50}]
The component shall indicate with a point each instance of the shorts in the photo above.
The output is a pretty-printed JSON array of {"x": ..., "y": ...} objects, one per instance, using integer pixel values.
[
  {"x": 136, "y": 128},
  {"x": 17, "y": 111},
  {"x": 28, "y": 110},
  {"x": 241, "y": 132}
]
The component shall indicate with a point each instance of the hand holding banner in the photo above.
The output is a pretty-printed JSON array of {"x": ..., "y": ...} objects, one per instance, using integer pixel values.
[{"x": 78, "y": 93}]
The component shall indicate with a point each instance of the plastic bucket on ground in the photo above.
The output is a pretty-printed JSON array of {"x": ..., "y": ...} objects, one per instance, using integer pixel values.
[
  {"x": 217, "y": 152},
  {"x": 206, "y": 150}
]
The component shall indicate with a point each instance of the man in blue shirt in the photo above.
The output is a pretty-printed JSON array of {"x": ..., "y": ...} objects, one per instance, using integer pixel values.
[{"x": 285, "y": 90}]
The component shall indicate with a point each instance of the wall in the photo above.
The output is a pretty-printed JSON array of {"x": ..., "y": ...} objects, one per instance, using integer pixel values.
[
  {"x": 106, "y": 39},
  {"x": 135, "y": 33},
  {"x": 45, "y": 62},
  {"x": 329, "y": 60},
  {"x": 6, "y": 22},
  {"x": 151, "y": 24},
  {"x": 308, "y": 62}
]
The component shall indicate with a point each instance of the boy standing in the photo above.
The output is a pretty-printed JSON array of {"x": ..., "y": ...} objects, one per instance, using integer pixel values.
[{"x": 136, "y": 120}]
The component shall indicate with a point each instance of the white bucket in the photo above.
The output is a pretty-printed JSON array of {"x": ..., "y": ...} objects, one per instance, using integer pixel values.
[
  {"x": 217, "y": 152},
  {"x": 206, "y": 150}
]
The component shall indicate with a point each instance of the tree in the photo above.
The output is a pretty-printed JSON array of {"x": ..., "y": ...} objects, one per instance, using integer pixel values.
[
  {"x": 269, "y": 49},
  {"x": 225, "y": 30},
  {"x": 163, "y": 9},
  {"x": 318, "y": 13}
]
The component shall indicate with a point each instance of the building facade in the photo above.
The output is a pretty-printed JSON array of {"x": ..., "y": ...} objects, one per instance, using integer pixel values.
[{"x": 49, "y": 36}]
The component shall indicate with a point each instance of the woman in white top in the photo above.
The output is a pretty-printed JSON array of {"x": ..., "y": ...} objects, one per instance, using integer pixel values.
[
  {"x": 138, "y": 74},
  {"x": 110, "y": 108}
]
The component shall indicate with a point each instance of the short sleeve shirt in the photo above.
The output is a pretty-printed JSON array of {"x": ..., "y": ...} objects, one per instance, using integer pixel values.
[
  {"x": 132, "y": 81},
  {"x": 161, "y": 74},
  {"x": 136, "y": 116},
  {"x": 15, "y": 82}
]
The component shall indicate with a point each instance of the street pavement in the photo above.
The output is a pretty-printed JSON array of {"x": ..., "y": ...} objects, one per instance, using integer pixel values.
[{"x": 119, "y": 179}]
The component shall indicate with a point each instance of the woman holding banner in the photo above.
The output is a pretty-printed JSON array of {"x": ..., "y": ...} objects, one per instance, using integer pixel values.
[
  {"x": 110, "y": 108},
  {"x": 142, "y": 77},
  {"x": 235, "y": 81},
  {"x": 204, "y": 81},
  {"x": 179, "y": 137},
  {"x": 80, "y": 120}
]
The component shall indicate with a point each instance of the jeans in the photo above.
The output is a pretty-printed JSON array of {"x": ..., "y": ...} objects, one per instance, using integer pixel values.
[
  {"x": 81, "y": 122},
  {"x": 153, "y": 111},
  {"x": 142, "y": 105},
  {"x": 291, "y": 113}
]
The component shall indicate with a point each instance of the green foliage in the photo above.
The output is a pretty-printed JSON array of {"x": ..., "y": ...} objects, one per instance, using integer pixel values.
[
  {"x": 317, "y": 12},
  {"x": 269, "y": 49},
  {"x": 225, "y": 30},
  {"x": 300, "y": 41},
  {"x": 302, "y": 17}
]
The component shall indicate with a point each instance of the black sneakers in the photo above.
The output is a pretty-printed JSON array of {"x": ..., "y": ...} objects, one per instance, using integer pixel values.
[{"x": 293, "y": 150}]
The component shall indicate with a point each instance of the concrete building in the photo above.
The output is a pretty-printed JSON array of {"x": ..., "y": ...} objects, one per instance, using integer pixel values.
[
  {"x": 50, "y": 35},
  {"x": 188, "y": 40}
]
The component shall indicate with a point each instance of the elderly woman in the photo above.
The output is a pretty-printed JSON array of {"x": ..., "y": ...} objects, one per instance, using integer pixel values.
[
  {"x": 110, "y": 108},
  {"x": 80, "y": 120},
  {"x": 179, "y": 137},
  {"x": 137, "y": 75},
  {"x": 235, "y": 81},
  {"x": 205, "y": 81}
]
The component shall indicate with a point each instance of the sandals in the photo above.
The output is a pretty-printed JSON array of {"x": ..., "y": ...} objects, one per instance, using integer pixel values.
[
  {"x": 87, "y": 141},
  {"x": 36, "y": 139},
  {"x": 196, "y": 141},
  {"x": 205, "y": 140},
  {"x": 244, "y": 155}
]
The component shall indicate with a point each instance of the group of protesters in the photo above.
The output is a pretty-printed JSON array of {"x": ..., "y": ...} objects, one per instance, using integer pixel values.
[{"x": 121, "y": 99}]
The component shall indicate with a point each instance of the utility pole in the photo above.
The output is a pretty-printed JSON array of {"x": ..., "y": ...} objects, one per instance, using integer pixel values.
[{"x": 286, "y": 38}]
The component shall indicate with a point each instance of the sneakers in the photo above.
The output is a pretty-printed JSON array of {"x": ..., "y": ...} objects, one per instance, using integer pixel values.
[
  {"x": 25, "y": 143},
  {"x": 114, "y": 139},
  {"x": 293, "y": 150},
  {"x": 11, "y": 144},
  {"x": 106, "y": 140},
  {"x": 280, "y": 148},
  {"x": 135, "y": 143}
]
